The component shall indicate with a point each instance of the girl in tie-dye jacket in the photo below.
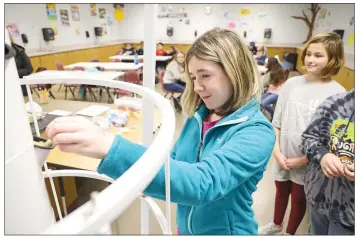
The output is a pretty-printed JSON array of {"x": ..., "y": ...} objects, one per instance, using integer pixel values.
[{"x": 328, "y": 143}]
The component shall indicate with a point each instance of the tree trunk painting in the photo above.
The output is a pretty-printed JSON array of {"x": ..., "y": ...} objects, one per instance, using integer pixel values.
[{"x": 309, "y": 22}]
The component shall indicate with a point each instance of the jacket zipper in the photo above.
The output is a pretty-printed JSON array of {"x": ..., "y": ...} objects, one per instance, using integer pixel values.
[{"x": 198, "y": 119}]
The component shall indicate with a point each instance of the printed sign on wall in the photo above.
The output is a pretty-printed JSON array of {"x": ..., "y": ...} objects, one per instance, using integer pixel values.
[
  {"x": 51, "y": 11},
  {"x": 75, "y": 12},
  {"x": 93, "y": 9},
  {"x": 245, "y": 12},
  {"x": 102, "y": 12},
  {"x": 64, "y": 18},
  {"x": 13, "y": 29}
]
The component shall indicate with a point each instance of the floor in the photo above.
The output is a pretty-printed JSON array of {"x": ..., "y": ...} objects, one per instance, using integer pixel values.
[{"x": 129, "y": 222}]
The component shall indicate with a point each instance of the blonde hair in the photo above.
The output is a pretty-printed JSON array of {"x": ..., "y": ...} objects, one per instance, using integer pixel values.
[
  {"x": 334, "y": 47},
  {"x": 262, "y": 49},
  {"x": 225, "y": 48}
]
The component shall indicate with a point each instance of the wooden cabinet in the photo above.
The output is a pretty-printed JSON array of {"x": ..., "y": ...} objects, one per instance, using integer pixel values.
[
  {"x": 280, "y": 51},
  {"x": 345, "y": 77},
  {"x": 48, "y": 61},
  {"x": 61, "y": 58},
  {"x": 66, "y": 58},
  {"x": 299, "y": 66},
  {"x": 36, "y": 63},
  {"x": 91, "y": 54},
  {"x": 75, "y": 56},
  {"x": 350, "y": 80}
]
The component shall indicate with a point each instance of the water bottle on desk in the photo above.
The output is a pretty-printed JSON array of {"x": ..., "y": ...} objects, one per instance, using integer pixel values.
[{"x": 136, "y": 58}]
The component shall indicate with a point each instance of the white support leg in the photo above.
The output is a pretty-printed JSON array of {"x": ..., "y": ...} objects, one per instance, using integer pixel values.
[{"x": 150, "y": 12}]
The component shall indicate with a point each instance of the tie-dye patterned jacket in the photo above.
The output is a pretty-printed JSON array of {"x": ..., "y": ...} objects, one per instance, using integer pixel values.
[{"x": 331, "y": 130}]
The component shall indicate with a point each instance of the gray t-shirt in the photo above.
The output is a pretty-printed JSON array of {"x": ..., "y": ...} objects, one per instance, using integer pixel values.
[{"x": 296, "y": 104}]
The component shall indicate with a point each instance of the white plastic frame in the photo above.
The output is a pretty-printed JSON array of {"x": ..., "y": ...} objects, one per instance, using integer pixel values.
[{"x": 113, "y": 201}]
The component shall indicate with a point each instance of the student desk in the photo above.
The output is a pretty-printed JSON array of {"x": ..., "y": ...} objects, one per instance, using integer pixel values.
[
  {"x": 116, "y": 66},
  {"x": 131, "y": 57},
  {"x": 62, "y": 160},
  {"x": 75, "y": 75},
  {"x": 132, "y": 131}
]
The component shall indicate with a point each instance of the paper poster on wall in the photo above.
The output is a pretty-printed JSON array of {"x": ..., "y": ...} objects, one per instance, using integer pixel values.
[
  {"x": 323, "y": 13},
  {"x": 78, "y": 30},
  {"x": 13, "y": 29},
  {"x": 51, "y": 11},
  {"x": 93, "y": 9},
  {"x": 262, "y": 15},
  {"x": 351, "y": 40},
  {"x": 259, "y": 23},
  {"x": 118, "y": 13},
  {"x": 75, "y": 12},
  {"x": 64, "y": 18},
  {"x": 109, "y": 20},
  {"x": 244, "y": 24},
  {"x": 231, "y": 25},
  {"x": 351, "y": 21},
  {"x": 245, "y": 12},
  {"x": 54, "y": 27},
  {"x": 104, "y": 28},
  {"x": 102, "y": 12}
]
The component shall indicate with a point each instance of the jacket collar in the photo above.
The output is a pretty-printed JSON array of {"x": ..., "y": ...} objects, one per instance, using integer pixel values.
[{"x": 248, "y": 111}]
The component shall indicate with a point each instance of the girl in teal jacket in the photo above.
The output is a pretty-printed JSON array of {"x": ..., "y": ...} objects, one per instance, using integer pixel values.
[{"x": 222, "y": 151}]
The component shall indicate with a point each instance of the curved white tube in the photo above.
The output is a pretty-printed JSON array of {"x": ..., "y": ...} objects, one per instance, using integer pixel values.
[
  {"x": 94, "y": 175},
  {"x": 52, "y": 184},
  {"x": 89, "y": 218}
]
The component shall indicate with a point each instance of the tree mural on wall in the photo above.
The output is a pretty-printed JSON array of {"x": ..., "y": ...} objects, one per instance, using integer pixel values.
[{"x": 310, "y": 23}]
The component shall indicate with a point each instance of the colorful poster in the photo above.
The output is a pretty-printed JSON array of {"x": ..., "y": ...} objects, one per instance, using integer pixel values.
[
  {"x": 102, "y": 12},
  {"x": 54, "y": 29},
  {"x": 51, "y": 11},
  {"x": 231, "y": 25},
  {"x": 323, "y": 14},
  {"x": 64, "y": 18},
  {"x": 109, "y": 20},
  {"x": 75, "y": 12},
  {"x": 93, "y": 9},
  {"x": 351, "y": 40},
  {"x": 245, "y": 12},
  {"x": 118, "y": 13},
  {"x": 13, "y": 29},
  {"x": 104, "y": 28},
  {"x": 351, "y": 21},
  {"x": 78, "y": 30},
  {"x": 262, "y": 15}
]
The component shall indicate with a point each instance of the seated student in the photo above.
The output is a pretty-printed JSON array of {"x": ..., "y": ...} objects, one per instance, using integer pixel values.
[
  {"x": 127, "y": 50},
  {"x": 261, "y": 55},
  {"x": 253, "y": 47},
  {"x": 140, "y": 50},
  {"x": 172, "y": 51},
  {"x": 160, "y": 50},
  {"x": 277, "y": 79},
  {"x": 174, "y": 74},
  {"x": 23, "y": 63},
  {"x": 271, "y": 63}
]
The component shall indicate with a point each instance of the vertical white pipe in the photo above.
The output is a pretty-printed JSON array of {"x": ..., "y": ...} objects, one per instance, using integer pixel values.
[
  {"x": 27, "y": 206},
  {"x": 45, "y": 163},
  {"x": 150, "y": 12}
]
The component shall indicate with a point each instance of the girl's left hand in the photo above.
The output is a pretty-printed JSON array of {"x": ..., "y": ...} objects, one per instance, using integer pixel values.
[
  {"x": 79, "y": 135},
  {"x": 295, "y": 163}
]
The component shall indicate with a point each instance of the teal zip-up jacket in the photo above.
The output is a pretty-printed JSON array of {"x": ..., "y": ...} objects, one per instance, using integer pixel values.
[{"x": 212, "y": 182}]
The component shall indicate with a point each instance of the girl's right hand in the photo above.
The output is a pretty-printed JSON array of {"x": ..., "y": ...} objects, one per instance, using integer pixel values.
[
  {"x": 332, "y": 166},
  {"x": 281, "y": 160}
]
